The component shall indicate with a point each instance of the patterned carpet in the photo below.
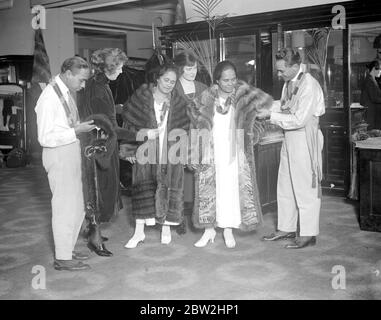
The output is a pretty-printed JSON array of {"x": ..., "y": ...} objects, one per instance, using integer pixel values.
[{"x": 253, "y": 270}]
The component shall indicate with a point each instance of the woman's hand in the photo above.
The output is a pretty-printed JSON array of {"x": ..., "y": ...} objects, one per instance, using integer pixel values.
[
  {"x": 127, "y": 152},
  {"x": 131, "y": 159}
]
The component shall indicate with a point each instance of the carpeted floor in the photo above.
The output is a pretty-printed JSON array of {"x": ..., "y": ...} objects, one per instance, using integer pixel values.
[{"x": 345, "y": 263}]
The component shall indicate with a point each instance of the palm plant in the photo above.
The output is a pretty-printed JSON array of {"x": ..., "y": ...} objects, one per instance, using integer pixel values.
[
  {"x": 205, "y": 51},
  {"x": 317, "y": 53}
]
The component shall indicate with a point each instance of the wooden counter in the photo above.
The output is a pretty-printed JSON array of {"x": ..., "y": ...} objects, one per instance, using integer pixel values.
[{"x": 369, "y": 165}]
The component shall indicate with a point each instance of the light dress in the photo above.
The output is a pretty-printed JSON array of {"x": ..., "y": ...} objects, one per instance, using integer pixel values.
[{"x": 228, "y": 214}]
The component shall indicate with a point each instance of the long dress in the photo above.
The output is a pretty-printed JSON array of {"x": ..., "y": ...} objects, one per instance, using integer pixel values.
[{"x": 228, "y": 213}]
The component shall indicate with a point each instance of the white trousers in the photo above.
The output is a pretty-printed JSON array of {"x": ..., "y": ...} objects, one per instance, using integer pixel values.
[
  {"x": 63, "y": 166},
  {"x": 295, "y": 195}
]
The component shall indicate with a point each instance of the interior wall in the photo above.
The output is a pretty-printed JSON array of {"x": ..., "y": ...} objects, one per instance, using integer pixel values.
[
  {"x": 139, "y": 44},
  {"x": 245, "y": 7},
  {"x": 85, "y": 45},
  {"x": 17, "y": 34},
  {"x": 59, "y": 37}
]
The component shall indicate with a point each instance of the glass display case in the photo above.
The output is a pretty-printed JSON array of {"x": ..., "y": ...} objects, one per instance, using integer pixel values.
[{"x": 242, "y": 52}]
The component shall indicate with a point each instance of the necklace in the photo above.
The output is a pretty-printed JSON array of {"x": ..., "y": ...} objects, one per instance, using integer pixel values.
[{"x": 228, "y": 103}]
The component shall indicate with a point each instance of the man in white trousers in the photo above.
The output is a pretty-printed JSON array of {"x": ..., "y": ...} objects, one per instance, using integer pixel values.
[
  {"x": 300, "y": 169},
  {"x": 58, "y": 126}
]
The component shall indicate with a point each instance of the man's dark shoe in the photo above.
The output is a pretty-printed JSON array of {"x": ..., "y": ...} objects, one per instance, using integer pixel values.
[
  {"x": 302, "y": 242},
  {"x": 279, "y": 236},
  {"x": 99, "y": 249},
  {"x": 70, "y": 265},
  {"x": 80, "y": 256}
]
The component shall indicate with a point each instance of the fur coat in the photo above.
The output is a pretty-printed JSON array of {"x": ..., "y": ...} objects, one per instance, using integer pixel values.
[
  {"x": 101, "y": 169},
  {"x": 157, "y": 189},
  {"x": 246, "y": 102}
]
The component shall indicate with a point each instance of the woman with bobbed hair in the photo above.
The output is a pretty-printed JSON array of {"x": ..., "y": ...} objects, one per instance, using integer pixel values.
[
  {"x": 101, "y": 177},
  {"x": 371, "y": 95},
  {"x": 157, "y": 186},
  {"x": 189, "y": 89}
]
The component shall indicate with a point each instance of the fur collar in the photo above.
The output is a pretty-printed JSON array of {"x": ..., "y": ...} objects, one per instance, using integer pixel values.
[
  {"x": 139, "y": 112},
  {"x": 247, "y": 101}
]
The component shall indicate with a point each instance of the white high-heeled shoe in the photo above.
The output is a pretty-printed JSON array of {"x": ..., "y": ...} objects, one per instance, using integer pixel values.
[
  {"x": 166, "y": 235},
  {"x": 134, "y": 241},
  {"x": 208, "y": 235},
  {"x": 229, "y": 239}
]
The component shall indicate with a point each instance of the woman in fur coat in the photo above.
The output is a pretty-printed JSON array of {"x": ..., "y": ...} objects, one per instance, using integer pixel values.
[
  {"x": 226, "y": 193},
  {"x": 157, "y": 183},
  {"x": 189, "y": 89},
  {"x": 101, "y": 156}
]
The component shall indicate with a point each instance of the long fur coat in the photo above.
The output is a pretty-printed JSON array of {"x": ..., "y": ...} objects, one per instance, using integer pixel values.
[
  {"x": 157, "y": 189},
  {"x": 246, "y": 103},
  {"x": 101, "y": 170}
]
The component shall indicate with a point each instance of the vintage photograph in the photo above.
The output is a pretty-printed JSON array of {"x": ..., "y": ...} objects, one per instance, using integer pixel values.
[{"x": 200, "y": 152}]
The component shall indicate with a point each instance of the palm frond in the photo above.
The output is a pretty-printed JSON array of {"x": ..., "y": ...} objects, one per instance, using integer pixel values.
[
  {"x": 203, "y": 50},
  {"x": 214, "y": 4},
  {"x": 202, "y": 14},
  {"x": 202, "y": 6}
]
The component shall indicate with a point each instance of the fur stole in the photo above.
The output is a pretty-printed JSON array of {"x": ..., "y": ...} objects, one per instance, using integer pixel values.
[
  {"x": 97, "y": 147},
  {"x": 139, "y": 112}
]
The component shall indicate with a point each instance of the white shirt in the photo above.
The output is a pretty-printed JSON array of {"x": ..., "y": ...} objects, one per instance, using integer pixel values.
[
  {"x": 52, "y": 123},
  {"x": 308, "y": 102}
]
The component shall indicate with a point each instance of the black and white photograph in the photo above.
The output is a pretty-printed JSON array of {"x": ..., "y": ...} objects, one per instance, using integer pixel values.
[{"x": 190, "y": 156}]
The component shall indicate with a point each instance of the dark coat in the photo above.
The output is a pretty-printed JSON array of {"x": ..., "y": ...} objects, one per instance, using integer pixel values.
[
  {"x": 247, "y": 101},
  {"x": 101, "y": 176},
  {"x": 371, "y": 98},
  {"x": 157, "y": 189}
]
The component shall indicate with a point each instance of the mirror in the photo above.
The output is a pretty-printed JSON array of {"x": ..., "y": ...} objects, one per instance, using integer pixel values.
[{"x": 12, "y": 117}]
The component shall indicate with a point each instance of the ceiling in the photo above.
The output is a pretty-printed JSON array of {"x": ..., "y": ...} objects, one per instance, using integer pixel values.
[{"x": 116, "y": 15}]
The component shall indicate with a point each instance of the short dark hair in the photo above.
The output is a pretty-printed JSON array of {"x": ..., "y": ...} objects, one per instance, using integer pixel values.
[
  {"x": 373, "y": 64},
  {"x": 73, "y": 64},
  {"x": 159, "y": 71},
  {"x": 221, "y": 67},
  {"x": 184, "y": 58},
  {"x": 289, "y": 55}
]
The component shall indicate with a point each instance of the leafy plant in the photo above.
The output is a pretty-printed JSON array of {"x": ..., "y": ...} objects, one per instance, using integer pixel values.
[
  {"x": 317, "y": 52},
  {"x": 205, "y": 51}
]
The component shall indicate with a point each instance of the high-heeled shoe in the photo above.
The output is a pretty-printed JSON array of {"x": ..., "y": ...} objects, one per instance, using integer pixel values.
[
  {"x": 229, "y": 239},
  {"x": 134, "y": 241},
  {"x": 99, "y": 249},
  {"x": 206, "y": 237},
  {"x": 166, "y": 236}
]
